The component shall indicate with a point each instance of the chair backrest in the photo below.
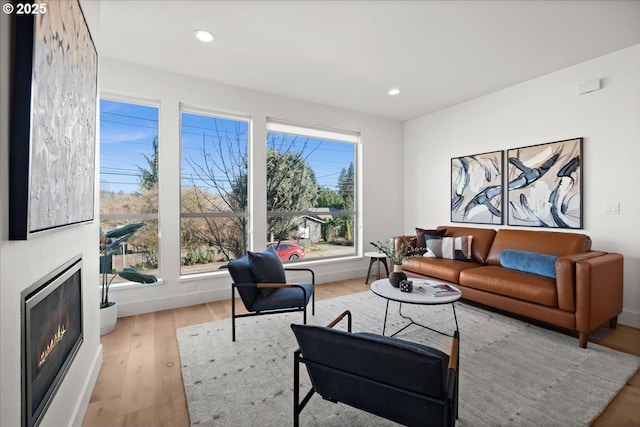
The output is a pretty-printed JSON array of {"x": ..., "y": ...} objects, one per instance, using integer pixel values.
[
  {"x": 240, "y": 271},
  {"x": 396, "y": 379}
]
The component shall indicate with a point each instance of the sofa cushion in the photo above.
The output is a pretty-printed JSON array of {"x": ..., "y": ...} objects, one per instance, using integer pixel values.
[
  {"x": 530, "y": 262},
  {"x": 545, "y": 242},
  {"x": 421, "y": 240},
  {"x": 444, "y": 269},
  {"x": 511, "y": 283},
  {"x": 449, "y": 247}
]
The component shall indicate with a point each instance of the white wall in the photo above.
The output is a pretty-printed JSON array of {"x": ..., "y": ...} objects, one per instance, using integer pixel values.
[
  {"x": 543, "y": 110},
  {"x": 24, "y": 262},
  {"x": 382, "y": 199}
]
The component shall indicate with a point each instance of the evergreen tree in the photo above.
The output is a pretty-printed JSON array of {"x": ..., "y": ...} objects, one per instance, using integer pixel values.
[
  {"x": 329, "y": 198},
  {"x": 149, "y": 177}
]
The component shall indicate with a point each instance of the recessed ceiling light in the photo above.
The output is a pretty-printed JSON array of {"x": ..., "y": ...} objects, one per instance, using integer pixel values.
[
  {"x": 204, "y": 35},
  {"x": 393, "y": 91}
]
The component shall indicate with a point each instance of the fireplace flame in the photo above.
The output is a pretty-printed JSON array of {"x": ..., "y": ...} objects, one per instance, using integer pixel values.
[{"x": 51, "y": 345}]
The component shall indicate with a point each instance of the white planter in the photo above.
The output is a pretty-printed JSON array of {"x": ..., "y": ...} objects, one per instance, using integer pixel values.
[{"x": 108, "y": 318}]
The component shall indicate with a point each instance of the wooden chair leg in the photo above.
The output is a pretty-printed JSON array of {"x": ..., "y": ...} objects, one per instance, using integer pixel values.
[
  {"x": 366, "y": 281},
  {"x": 613, "y": 322},
  {"x": 386, "y": 267}
]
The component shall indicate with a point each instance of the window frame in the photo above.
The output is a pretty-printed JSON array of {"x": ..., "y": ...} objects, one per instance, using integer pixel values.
[
  {"x": 213, "y": 113},
  {"x": 145, "y": 102},
  {"x": 333, "y": 135}
]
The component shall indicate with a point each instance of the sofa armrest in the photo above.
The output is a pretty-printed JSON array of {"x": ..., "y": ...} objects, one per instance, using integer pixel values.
[
  {"x": 599, "y": 289},
  {"x": 566, "y": 278}
]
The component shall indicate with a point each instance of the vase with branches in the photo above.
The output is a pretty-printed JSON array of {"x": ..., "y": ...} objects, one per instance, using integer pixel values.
[{"x": 396, "y": 256}]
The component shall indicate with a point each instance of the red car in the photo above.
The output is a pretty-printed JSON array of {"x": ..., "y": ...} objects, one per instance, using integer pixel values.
[{"x": 288, "y": 250}]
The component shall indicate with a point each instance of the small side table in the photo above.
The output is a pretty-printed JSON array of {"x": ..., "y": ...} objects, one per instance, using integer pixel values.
[{"x": 377, "y": 257}]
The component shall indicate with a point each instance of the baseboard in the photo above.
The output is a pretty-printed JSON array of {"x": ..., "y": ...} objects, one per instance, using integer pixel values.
[
  {"x": 80, "y": 409},
  {"x": 629, "y": 318},
  {"x": 171, "y": 301}
]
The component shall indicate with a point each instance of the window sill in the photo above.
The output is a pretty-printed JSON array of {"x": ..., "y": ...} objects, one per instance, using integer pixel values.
[
  {"x": 134, "y": 285},
  {"x": 299, "y": 264}
]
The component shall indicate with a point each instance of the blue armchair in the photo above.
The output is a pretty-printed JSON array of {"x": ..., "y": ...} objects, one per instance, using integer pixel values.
[
  {"x": 260, "y": 279},
  {"x": 401, "y": 381}
]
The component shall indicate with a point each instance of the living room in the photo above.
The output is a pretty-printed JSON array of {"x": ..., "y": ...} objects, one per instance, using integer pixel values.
[{"x": 404, "y": 172}]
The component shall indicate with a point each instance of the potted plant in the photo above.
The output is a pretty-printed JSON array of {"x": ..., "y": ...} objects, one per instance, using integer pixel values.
[
  {"x": 406, "y": 250},
  {"x": 110, "y": 242}
]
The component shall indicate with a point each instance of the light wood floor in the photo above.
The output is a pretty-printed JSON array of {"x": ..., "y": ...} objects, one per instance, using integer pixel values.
[{"x": 140, "y": 383}]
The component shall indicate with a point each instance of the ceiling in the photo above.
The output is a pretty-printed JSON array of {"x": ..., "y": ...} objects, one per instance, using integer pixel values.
[{"x": 348, "y": 54}]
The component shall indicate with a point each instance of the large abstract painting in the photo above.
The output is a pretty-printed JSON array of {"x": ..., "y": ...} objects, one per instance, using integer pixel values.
[
  {"x": 53, "y": 121},
  {"x": 545, "y": 185},
  {"x": 476, "y": 188}
]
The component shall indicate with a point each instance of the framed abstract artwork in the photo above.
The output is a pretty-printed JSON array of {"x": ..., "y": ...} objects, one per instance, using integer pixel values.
[
  {"x": 545, "y": 185},
  {"x": 476, "y": 188},
  {"x": 53, "y": 121}
]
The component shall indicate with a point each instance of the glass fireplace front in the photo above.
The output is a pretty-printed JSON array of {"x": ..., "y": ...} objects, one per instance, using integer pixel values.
[{"x": 52, "y": 332}]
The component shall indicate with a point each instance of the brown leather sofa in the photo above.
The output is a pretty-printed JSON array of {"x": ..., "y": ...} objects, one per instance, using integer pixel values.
[{"x": 585, "y": 294}]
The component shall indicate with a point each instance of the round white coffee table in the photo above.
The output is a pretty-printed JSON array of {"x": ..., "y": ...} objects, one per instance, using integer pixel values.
[{"x": 384, "y": 289}]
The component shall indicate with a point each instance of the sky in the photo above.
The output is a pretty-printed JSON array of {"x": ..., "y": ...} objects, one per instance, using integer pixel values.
[{"x": 127, "y": 131}]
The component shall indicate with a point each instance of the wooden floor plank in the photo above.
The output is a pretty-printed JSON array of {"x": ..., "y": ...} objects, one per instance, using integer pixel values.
[
  {"x": 103, "y": 412},
  {"x": 119, "y": 340},
  {"x": 140, "y": 383},
  {"x": 219, "y": 310},
  {"x": 142, "y": 418},
  {"x": 622, "y": 338},
  {"x": 138, "y": 390},
  {"x": 170, "y": 402},
  {"x": 111, "y": 377},
  {"x": 193, "y": 315}
]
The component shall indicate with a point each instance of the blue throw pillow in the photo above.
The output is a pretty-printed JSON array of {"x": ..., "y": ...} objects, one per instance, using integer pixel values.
[
  {"x": 266, "y": 267},
  {"x": 530, "y": 262}
]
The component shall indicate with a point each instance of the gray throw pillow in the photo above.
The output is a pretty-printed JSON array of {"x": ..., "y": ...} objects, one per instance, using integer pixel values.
[{"x": 421, "y": 240}]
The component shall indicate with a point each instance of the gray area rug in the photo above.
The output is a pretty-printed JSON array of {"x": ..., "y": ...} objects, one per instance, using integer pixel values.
[{"x": 512, "y": 373}]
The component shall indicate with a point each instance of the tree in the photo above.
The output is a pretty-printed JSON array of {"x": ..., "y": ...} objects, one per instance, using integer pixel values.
[
  {"x": 219, "y": 187},
  {"x": 329, "y": 198},
  {"x": 149, "y": 177},
  {"x": 346, "y": 183},
  {"x": 291, "y": 183},
  {"x": 346, "y": 186}
]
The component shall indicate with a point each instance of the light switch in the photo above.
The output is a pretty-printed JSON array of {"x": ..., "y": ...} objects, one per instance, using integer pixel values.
[{"x": 611, "y": 208}]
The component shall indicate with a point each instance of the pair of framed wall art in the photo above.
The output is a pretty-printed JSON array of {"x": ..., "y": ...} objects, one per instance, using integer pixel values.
[{"x": 542, "y": 186}]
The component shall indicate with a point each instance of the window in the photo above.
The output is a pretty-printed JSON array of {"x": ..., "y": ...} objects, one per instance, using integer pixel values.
[
  {"x": 311, "y": 193},
  {"x": 214, "y": 197},
  {"x": 129, "y": 181}
]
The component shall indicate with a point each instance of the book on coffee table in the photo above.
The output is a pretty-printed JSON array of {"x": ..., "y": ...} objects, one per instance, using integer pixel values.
[{"x": 437, "y": 290}]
